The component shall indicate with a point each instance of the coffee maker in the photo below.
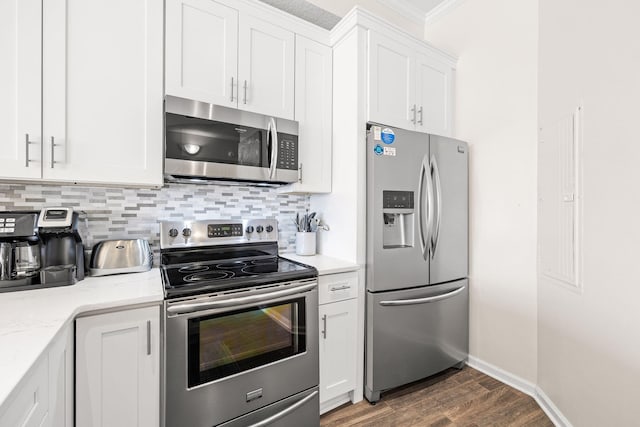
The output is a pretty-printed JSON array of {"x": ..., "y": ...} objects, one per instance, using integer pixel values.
[{"x": 41, "y": 249}]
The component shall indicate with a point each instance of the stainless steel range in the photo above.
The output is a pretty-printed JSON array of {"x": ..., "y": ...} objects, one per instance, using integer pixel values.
[{"x": 241, "y": 327}]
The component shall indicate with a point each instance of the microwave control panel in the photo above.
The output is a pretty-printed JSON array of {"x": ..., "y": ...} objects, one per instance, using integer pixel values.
[{"x": 287, "y": 153}]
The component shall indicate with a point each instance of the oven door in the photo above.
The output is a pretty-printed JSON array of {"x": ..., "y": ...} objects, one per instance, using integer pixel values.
[{"x": 230, "y": 355}]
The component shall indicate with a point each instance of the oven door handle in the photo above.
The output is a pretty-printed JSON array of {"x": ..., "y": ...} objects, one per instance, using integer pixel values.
[
  {"x": 284, "y": 412},
  {"x": 230, "y": 302}
]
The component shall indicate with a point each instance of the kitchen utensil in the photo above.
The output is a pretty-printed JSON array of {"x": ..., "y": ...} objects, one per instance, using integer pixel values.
[
  {"x": 26, "y": 259},
  {"x": 120, "y": 256}
]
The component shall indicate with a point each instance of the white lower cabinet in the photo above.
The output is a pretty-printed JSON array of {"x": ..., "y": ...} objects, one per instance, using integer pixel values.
[
  {"x": 338, "y": 313},
  {"x": 44, "y": 397},
  {"x": 118, "y": 368}
]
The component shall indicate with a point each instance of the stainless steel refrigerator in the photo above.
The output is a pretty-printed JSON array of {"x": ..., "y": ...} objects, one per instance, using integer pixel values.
[{"x": 417, "y": 257}]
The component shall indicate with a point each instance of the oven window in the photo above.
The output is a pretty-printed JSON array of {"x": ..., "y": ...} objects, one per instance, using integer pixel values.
[{"x": 225, "y": 344}]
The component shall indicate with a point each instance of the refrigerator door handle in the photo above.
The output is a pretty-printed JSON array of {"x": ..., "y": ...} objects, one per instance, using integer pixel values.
[
  {"x": 425, "y": 206},
  {"x": 430, "y": 208},
  {"x": 421, "y": 300},
  {"x": 438, "y": 192}
]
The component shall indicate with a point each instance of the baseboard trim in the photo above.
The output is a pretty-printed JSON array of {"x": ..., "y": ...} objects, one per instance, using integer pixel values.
[
  {"x": 501, "y": 375},
  {"x": 551, "y": 409},
  {"x": 527, "y": 387},
  {"x": 334, "y": 403}
]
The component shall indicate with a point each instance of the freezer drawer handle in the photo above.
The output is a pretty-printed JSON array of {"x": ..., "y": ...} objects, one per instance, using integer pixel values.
[
  {"x": 422, "y": 300},
  {"x": 284, "y": 412}
]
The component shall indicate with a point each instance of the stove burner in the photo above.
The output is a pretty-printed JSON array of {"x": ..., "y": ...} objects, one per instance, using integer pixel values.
[
  {"x": 231, "y": 265},
  {"x": 264, "y": 261},
  {"x": 208, "y": 275},
  {"x": 261, "y": 268},
  {"x": 195, "y": 268}
]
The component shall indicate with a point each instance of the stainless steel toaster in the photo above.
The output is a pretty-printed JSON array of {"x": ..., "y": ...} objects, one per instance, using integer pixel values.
[{"x": 120, "y": 256}]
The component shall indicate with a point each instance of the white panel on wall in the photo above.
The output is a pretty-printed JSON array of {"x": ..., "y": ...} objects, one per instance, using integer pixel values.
[{"x": 559, "y": 200}]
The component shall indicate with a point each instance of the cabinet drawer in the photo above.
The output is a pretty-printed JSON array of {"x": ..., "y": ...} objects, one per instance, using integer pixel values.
[{"x": 337, "y": 287}]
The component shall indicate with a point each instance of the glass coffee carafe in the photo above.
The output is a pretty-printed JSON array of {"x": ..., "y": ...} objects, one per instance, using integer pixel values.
[{"x": 26, "y": 259}]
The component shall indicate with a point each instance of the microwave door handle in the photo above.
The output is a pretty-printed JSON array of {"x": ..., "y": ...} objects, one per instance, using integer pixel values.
[{"x": 274, "y": 148}]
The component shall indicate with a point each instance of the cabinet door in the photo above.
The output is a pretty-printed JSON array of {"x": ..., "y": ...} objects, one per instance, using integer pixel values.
[
  {"x": 29, "y": 404},
  {"x": 391, "y": 82},
  {"x": 20, "y": 88},
  {"x": 117, "y": 369},
  {"x": 313, "y": 110},
  {"x": 265, "y": 68},
  {"x": 202, "y": 51},
  {"x": 435, "y": 94},
  {"x": 337, "y": 348},
  {"x": 61, "y": 380},
  {"x": 102, "y": 91}
]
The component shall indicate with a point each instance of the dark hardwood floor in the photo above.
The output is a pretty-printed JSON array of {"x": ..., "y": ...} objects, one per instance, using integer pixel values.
[{"x": 452, "y": 398}]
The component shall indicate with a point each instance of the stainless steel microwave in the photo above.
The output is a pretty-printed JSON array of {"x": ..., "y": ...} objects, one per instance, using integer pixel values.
[{"x": 211, "y": 142}]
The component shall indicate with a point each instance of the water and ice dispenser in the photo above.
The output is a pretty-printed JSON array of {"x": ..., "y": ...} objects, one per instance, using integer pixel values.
[{"x": 398, "y": 219}]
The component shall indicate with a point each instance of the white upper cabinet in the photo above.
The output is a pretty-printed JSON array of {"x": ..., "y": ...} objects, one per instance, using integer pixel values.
[
  {"x": 409, "y": 87},
  {"x": 391, "y": 82},
  {"x": 202, "y": 51},
  {"x": 313, "y": 83},
  {"x": 102, "y": 91},
  {"x": 97, "y": 115},
  {"x": 218, "y": 55},
  {"x": 20, "y": 88},
  {"x": 265, "y": 68},
  {"x": 434, "y": 96}
]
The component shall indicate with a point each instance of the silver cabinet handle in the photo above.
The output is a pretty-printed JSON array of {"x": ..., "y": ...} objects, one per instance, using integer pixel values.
[
  {"x": 340, "y": 288},
  {"x": 324, "y": 325},
  {"x": 422, "y": 300},
  {"x": 413, "y": 110},
  {"x": 230, "y": 302},
  {"x": 438, "y": 196},
  {"x": 26, "y": 143},
  {"x": 232, "y": 89},
  {"x": 420, "y": 112},
  {"x": 245, "y": 92},
  {"x": 284, "y": 412},
  {"x": 53, "y": 153},
  {"x": 148, "y": 337}
]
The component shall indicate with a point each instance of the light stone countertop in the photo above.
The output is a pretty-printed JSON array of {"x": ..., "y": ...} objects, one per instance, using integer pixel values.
[
  {"x": 30, "y": 320},
  {"x": 324, "y": 264}
]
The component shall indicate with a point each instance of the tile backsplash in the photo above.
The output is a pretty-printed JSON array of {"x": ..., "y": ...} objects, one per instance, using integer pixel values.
[{"x": 134, "y": 213}]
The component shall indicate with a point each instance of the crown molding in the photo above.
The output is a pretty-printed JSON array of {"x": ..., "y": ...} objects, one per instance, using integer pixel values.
[
  {"x": 441, "y": 10},
  {"x": 359, "y": 17},
  {"x": 405, "y": 9}
]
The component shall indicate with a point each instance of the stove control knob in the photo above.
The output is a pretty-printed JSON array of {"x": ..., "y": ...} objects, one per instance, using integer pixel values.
[
  {"x": 269, "y": 229},
  {"x": 250, "y": 229},
  {"x": 173, "y": 232},
  {"x": 259, "y": 229},
  {"x": 186, "y": 232}
]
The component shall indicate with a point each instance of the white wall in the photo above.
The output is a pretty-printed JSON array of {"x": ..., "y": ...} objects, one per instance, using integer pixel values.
[
  {"x": 589, "y": 342},
  {"x": 342, "y": 7},
  {"x": 495, "y": 111}
]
